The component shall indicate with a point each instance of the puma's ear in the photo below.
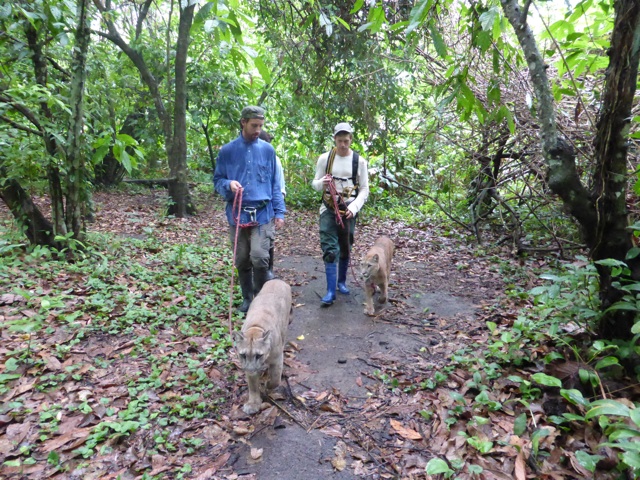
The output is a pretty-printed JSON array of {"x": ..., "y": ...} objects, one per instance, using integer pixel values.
[
  {"x": 266, "y": 335},
  {"x": 238, "y": 337},
  {"x": 376, "y": 258}
]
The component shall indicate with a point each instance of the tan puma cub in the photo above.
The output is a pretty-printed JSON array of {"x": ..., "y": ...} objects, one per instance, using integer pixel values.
[
  {"x": 376, "y": 269},
  {"x": 260, "y": 342}
]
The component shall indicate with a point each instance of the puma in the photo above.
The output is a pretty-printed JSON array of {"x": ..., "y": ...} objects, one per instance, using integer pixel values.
[
  {"x": 376, "y": 269},
  {"x": 260, "y": 342}
]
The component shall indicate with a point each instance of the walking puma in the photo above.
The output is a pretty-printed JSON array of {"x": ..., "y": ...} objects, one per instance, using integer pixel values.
[
  {"x": 376, "y": 269},
  {"x": 260, "y": 342}
]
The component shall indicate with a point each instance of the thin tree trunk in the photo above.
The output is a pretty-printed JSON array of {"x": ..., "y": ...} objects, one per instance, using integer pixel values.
[
  {"x": 176, "y": 153},
  {"x": 75, "y": 158},
  {"x": 53, "y": 172},
  {"x": 178, "y": 186}
]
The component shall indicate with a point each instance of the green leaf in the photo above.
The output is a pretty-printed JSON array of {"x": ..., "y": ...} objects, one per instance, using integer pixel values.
[
  {"x": 492, "y": 326},
  {"x": 611, "y": 262},
  {"x": 606, "y": 362},
  {"x": 520, "y": 424},
  {"x": 635, "y": 416},
  {"x": 587, "y": 460},
  {"x": 574, "y": 396},
  {"x": 418, "y": 14},
  {"x": 632, "y": 459},
  {"x": 632, "y": 253},
  {"x": 438, "y": 43},
  {"x": 5, "y": 377},
  {"x": 483, "y": 446},
  {"x": 263, "y": 69},
  {"x": 546, "y": 380},
  {"x": 11, "y": 365},
  {"x": 357, "y": 6},
  {"x": 488, "y": 18},
  {"x": 607, "y": 407},
  {"x": 436, "y": 466},
  {"x": 53, "y": 458}
]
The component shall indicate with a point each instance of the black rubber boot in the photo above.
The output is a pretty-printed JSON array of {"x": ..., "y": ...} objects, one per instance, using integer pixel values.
[
  {"x": 260, "y": 276},
  {"x": 245, "y": 277},
  {"x": 270, "y": 275}
]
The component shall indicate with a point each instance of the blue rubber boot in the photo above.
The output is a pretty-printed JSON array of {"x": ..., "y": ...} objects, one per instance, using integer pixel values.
[
  {"x": 343, "y": 268},
  {"x": 331, "y": 270}
]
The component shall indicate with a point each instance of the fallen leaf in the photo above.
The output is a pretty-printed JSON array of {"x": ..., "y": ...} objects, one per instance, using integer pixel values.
[
  {"x": 339, "y": 462},
  {"x": 405, "y": 432},
  {"x": 256, "y": 453}
]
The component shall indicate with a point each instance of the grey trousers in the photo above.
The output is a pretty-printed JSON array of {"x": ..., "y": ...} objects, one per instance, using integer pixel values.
[{"x": 253, "y": 245}]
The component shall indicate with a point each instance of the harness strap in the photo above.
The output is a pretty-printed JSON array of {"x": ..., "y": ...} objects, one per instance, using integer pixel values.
[{"x": 328, "y": 171}]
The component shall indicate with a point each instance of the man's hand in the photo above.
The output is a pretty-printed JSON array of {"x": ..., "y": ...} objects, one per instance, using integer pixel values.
[
  {"x": 279, "y": 223},
  {"x": 235, "y": 185},
  {"x": 348, "y": 214},
  {"x": 326, "y": 180}
]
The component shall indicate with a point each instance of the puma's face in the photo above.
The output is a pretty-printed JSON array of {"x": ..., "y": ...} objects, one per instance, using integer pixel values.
[
  {"x": 253, "y": 354},
  {"x": 370, "y": 268}
]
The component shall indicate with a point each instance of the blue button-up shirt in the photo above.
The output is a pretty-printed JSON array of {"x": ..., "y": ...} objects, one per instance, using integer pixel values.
[{"x": 253, "y": 164}]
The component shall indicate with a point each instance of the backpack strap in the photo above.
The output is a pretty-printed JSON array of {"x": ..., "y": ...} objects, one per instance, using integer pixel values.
[
  {"x": 332, "y": 157},
  {"x": 354, "y": 169}
]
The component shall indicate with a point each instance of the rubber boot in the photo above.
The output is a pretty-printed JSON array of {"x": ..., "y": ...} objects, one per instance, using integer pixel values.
[
  {"x": 260, "y": 276},
  {"x": 343, "y": 267},
  {"x": 331, "y": 270},
  {"x": 245, "y": 277},
  {"x": 270, "y": 275}
]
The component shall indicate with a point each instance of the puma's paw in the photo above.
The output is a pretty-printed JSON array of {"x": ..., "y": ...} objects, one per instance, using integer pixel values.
[
  {"x": 251, "y": 408},
  {"x": 368, "y": 311},
  {"x": 382, "y": 299}
]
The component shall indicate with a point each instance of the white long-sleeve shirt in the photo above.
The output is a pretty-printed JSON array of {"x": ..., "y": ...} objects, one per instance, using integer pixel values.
[{"x": 342, "y": 168}]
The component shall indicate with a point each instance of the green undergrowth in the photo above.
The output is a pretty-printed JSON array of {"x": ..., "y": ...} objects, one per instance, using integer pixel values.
[
  {"x": 151, "y": 313},
  {"x": 540, "y": 368}
]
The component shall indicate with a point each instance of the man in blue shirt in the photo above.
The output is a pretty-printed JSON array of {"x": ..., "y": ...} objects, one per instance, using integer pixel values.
[{"x": 247, "y": 167}]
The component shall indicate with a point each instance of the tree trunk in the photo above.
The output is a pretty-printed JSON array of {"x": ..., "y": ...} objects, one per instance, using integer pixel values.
[
  {"x": 181, "y": 205},
  {"x": 612, "y": 239},
  {"x": 37, "y": 228},
  {"x": 76, "y": 178},
  {"x": 601, "y": 212},
  {"x": 176, "y": 153},
  {"x": 53, "y": 172}
]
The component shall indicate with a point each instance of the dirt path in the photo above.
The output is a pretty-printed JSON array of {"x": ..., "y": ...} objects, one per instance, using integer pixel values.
[{"x": 339, "y": 354}]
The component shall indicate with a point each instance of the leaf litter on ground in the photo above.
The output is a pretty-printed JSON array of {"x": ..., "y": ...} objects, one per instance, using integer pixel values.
[{"x": 121, "y": 367}]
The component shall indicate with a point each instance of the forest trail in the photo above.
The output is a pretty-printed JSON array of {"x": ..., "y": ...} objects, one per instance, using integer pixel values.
[
  {"x": 363, "y": 396},
  {"x": 336, "y": 351}
]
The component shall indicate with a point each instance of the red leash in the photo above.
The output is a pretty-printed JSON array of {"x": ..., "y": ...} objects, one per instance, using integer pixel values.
[
  {"x": 237, "y": 207},
  {"x": 334, "y": 192},
  {"x": 236, "y": 201}
]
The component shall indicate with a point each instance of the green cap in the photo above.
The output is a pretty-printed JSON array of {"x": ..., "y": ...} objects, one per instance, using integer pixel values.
[{"x": 252, "y": 112}]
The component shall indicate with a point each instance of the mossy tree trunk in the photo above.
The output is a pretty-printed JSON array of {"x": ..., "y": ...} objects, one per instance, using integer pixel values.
[{"x": 601, "y": 209}]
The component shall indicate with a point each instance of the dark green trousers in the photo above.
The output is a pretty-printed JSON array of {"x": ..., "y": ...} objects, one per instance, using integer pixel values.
[{"x": 335, "y": 241}]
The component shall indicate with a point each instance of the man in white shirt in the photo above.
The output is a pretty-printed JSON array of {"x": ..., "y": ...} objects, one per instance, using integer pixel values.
[{"x": 344, "y": 172}]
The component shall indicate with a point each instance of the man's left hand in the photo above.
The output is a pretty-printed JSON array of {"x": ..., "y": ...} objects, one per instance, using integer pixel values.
[
  {"x": 348, "y": 214},
  {"x": 279, "y": 223}
]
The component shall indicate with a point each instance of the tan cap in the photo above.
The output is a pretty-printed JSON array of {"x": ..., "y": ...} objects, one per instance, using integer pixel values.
[{"x": 342, "y": 127}]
